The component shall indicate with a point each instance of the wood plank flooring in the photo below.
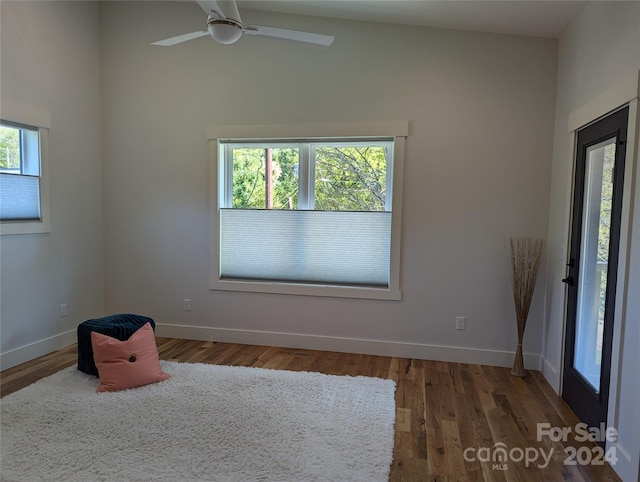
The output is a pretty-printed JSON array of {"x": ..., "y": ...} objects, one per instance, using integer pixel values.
[{"x": 449, "y": 416}]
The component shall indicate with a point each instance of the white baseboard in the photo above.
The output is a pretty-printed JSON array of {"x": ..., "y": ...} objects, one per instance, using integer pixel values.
[
  {"x": 38, "y": 348},
  {"x": 349, "y": 345},
  {"x": 420, "y": 351},
  {"x": 552, "y": 375}
]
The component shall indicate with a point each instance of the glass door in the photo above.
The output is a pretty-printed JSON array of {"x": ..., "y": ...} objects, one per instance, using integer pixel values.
[{"x": 593, "y": 266}]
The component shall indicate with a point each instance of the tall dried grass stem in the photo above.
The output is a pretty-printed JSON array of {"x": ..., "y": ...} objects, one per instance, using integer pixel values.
[{"x": 525, "y": 254}]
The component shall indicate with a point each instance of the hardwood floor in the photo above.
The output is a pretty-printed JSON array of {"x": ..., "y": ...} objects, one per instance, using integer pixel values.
[{"x": 449, "y": 416}]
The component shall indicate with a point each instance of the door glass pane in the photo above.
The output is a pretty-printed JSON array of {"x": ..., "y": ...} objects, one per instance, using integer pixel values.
[{"x": 594, "y": 258}]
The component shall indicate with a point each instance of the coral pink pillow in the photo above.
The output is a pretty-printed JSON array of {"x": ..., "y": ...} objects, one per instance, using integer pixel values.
[{"x": 127, "y": 364}]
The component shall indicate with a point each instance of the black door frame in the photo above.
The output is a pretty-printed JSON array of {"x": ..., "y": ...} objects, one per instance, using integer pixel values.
[{"x": 590, "y": 405}]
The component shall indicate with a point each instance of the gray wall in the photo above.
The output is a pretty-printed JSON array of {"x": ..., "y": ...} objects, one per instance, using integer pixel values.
[
  {"x": 477, "y": 170},
  {"x": 600, "y": 48},
  {"x": 51, "y": 62}
]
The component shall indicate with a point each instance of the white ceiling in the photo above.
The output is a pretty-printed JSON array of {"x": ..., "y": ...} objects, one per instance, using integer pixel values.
[{"x": 542, "y": 18}]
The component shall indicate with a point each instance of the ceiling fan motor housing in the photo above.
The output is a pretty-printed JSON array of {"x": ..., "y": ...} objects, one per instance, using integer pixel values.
[{"x": 225, "y": 31}]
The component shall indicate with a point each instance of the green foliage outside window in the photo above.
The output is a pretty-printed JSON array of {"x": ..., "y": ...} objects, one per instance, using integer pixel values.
[
  {"x": 346, "y": 178},
  {"x": 606, "y": 203},
  {"x": 604, "y": 234},
  {"x": 9, "y": 148},
  {"x": 350, "y": 179},
  {"x": 249, "y": 187}
]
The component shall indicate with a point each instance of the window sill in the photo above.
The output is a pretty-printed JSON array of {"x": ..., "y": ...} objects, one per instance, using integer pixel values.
[
  {"x": 334, "y": 291},
  {"x": 26, "y": 227}
]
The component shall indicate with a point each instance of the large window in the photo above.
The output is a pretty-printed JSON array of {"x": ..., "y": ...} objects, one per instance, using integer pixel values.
[
  {"x": 23, "y": 183},
  {"x": 308, "y": 216}
]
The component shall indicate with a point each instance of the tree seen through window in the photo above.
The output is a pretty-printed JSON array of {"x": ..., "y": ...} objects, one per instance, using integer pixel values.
[{"x": 345, "y": 178}]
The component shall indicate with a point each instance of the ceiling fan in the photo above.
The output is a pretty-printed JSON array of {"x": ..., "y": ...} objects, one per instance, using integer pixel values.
[{"x": 225, "y": 26}]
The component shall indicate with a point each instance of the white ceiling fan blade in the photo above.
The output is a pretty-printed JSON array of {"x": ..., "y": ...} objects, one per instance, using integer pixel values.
[
  {"x": 230, "y": 10},
  {"x": 180, "y": 38},
  {"x": 221, "y": 9},
  {"x": 317, "y": 39},
  {"x": 211, "y": 7}
]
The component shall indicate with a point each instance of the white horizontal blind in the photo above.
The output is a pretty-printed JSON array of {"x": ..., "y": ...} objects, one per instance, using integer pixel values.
[
  {"x": 333, "y": 247},
  {"x": 19, "y": 197}
]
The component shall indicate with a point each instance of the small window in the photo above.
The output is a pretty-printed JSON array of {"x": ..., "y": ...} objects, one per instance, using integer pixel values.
[
  {"x": 19, "y": 173},
  {"x": 23, "y": 180},
  {"x": 307, "y": 216}
]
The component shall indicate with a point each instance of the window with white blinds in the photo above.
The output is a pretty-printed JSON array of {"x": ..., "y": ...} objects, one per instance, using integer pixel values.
[
  {"x": 19, "y": 172},
  {"x": 24, "y": 197},
  {"x": 325, "y": 247},
  {"x": 307, "y": 215}
]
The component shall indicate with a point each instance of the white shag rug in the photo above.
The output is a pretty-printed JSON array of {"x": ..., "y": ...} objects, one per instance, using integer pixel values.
[{"x": 206, "y": 423}]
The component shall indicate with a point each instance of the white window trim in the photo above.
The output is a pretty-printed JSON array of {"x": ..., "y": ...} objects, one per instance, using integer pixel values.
[
  {"x": 42, "y": 120},
  {"x": 396, "y": 129}
]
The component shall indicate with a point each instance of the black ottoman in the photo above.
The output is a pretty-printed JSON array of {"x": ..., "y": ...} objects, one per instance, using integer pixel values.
[{"x": 120, "y": 326}]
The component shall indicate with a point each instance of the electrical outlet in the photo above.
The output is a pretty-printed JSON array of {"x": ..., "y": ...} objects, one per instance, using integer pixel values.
[
  {"x": 63, "y": 310},
  {"x": 461, "y": 323},
  {"x": 186, "y": 304}
]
